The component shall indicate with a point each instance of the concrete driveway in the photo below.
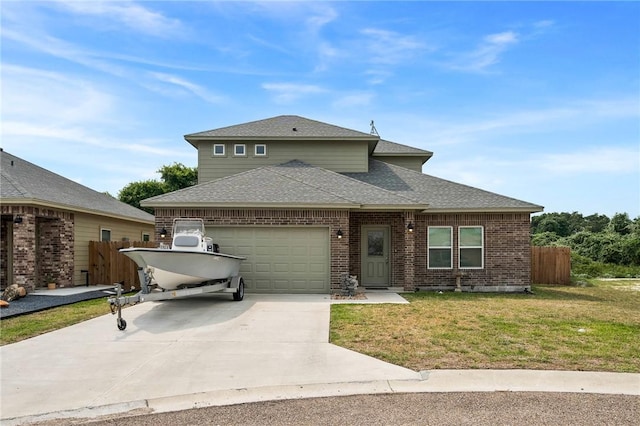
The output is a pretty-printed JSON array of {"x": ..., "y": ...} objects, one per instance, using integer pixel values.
[{"x": 205, "y": 344}]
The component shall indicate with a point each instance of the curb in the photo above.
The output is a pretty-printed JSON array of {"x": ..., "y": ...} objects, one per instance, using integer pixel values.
[{"x": 442, "y": 381}]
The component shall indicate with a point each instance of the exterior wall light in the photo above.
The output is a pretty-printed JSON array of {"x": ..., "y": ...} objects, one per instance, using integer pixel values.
[
  {"x": 163, "y": 233},
  {"x": 339, "y": 234},
  {"x": 410, "y": 227},
  {"x": 17, "y": 219}
]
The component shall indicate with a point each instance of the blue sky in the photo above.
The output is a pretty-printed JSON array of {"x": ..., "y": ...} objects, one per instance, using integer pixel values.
[{"x": 539, "y": 101}]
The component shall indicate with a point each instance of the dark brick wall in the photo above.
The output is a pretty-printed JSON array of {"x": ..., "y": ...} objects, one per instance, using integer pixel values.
[
  {"x": 43, "y": 245},
  {"x": 507, "y": 249},
  {"x": 507, "y": 252},
  {"x": 334, "y": 219}
]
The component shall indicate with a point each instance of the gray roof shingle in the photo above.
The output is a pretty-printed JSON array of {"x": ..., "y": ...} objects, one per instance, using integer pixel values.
[
  {"x": 299, "y": 184},
  {"x": 282, "y": 127},
  {"x": 292, "y": 183},
  {"x": 440, "y": 194},
  {"x": 387, "y": 147},
  {"x": 22, "y": 181}
]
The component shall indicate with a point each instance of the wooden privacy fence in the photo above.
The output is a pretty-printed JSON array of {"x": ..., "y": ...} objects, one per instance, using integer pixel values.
[
  {"x": 108, "y": 266},
  {"x": 551, "y": 265}
]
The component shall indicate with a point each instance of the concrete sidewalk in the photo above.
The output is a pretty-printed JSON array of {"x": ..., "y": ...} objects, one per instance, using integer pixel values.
[{"x": 208, "y": 350}]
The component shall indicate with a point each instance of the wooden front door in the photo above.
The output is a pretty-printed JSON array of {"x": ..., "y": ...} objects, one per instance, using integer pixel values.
[{"x": 375, "y": 256}]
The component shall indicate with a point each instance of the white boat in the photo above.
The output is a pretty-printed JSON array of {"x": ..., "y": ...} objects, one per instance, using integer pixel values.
[{"x": 192, "y": 259}]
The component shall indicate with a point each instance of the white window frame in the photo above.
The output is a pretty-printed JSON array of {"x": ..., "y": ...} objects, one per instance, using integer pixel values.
[
  {"x": 146, "y": 234},
  {"x": 255, "y": 150},
  {"x": 450, "y": 248},
  {"x": 481, "y": 247},
  {"x": 224, "y": 150},
  {"x": 102, "y": 230},
  {"x": 235, "y": 150}
]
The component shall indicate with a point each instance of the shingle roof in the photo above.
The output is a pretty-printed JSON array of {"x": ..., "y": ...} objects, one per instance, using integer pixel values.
[
  {"x": 22, "y": 181},
  {"x": 283, "y": 127},
  {"x": 387, "y": 147},
  {"x": 293, "y": 184},
  {"x": 440, "y": 194}
]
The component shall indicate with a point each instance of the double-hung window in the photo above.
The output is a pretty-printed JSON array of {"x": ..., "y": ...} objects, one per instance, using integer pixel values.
[
  {"x": 471, "y": 247},
  {"x": 440, "y": 244}
]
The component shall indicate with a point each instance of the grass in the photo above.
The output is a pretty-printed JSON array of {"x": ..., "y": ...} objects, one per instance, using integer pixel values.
[
  {"x": 23, "y": 327},
  {"x": 594, "y": 327},
  {"x": 591, "y": 327}
]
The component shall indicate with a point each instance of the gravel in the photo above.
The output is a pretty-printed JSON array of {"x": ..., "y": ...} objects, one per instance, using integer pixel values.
[
  {"x": 478, "y": 409},
  {"x": 36, "y": 302}
]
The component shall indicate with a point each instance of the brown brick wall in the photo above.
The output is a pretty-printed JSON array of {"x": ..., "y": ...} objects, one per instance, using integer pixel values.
[
  {"x": 507, "y": 250},
  {"x": 334, "y": 219},
  {"x": 42, "y": 245}
]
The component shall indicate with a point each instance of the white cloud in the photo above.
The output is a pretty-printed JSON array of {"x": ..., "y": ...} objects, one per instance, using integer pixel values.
[
  {"x": 389, "y": 47},
  {"x": 290, "y": 92},
  {"x": 190, "y": 87},
  {"x": 354, "y": 100},
  {"x": 573, "y": 114},
  {"x": 486, "y": 54},
  {"x": 609, "y": 160},
  {"x": 133, "y": 16}
]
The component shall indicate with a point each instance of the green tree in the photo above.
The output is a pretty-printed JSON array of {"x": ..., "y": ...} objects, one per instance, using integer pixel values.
[
  {"x": 135, "y": 192},
  {"x": 621, "y": 224},
  {"x": 174, "y": 177},
  {"x": 596, "y": 223},
  {"x": 178, "y": 176}
]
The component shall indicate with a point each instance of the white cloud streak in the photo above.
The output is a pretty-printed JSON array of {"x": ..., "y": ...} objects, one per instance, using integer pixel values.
[
  {"x": 285, "y": 93},
  {"x": 488, "y": 53},
  {"x": 133, "y": 16}
]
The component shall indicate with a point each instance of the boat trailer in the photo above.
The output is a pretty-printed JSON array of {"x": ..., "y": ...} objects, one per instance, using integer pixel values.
[{"x": 151, "y": 292}]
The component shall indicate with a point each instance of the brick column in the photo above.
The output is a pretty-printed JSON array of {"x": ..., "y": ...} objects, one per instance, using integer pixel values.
[
  {"x": 24, "y": 252},
  {"x": 339, "y": 250},
  {"x": 409, "y": 251}
]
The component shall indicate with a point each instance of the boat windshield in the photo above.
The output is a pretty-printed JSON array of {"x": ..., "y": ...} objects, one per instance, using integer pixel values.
[{"x": 187, "y": 227}]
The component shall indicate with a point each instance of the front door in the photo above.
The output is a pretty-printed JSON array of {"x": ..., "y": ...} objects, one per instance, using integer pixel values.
[{"x": 375, "y": 256}]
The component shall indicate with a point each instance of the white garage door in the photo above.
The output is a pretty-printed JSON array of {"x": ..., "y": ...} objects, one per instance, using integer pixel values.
[{"x": 279, "y": 260}]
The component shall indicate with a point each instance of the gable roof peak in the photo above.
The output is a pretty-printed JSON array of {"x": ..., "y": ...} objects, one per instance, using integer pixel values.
[{"x": 281, "y": 127}]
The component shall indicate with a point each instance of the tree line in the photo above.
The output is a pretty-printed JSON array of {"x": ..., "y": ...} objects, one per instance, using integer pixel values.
[{"x": 614, "y": 240}]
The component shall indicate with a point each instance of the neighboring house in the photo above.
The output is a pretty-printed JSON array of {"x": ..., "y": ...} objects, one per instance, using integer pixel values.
[
  {"x": 48, "y": 221},
  {"x": 307, "y": 201}
]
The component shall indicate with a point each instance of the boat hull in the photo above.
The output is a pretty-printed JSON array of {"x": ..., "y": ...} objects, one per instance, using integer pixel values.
[{"x": 172, "y": 269}]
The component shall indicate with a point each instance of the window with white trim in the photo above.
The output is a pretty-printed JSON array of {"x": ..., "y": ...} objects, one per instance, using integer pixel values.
[
  {"x": 105, "y": 234},
  {"x": 260, "y": 150},
  {"x": 440, "y": 247},
  {"x": 218, "y": 150},
  {"x": 471, "y": 247},
  {"x": 146, "y": 237},
  {"x": 239, "y": 150}
]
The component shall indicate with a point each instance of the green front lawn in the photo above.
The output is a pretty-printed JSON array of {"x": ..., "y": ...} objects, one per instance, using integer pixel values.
[{"x": 592, "y": 328}]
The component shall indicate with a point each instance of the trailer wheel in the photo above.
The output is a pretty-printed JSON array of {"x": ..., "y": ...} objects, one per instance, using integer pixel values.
[
  {"x": 122, "y": 324},
  {"x": 239, "y": 295}
]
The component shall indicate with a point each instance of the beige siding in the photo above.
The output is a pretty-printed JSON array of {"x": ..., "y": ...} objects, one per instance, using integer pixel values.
[
  {"x": 411, "y": 163},
  {"x": 339, "y": 156},
  {"x": 88, "y": 227}
]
